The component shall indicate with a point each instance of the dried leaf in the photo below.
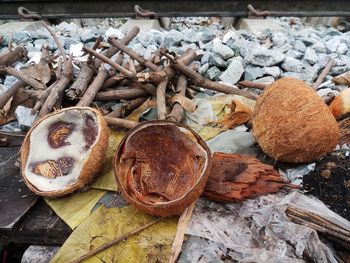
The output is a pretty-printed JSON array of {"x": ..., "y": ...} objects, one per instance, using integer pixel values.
[
  {"x": 106, "y": 180},
  {"x": 343, "y": 79},
  {"x": 151, "y": 245},
  {"x": 75, "y": 208},
  {"x": 238, "y": 114},
  {"x": 40, "y": 72},
  {"x": 234, "y": 177}
]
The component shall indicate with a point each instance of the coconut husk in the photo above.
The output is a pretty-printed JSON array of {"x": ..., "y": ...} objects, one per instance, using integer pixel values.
[
  {"x": 234, "y": 178},
  {"x": 91, "y": 165},
  {"x": 292, "y": 124},
  {"x": 161, "y": 167}
]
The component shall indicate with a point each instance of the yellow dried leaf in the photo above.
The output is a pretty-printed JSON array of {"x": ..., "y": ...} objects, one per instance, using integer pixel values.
[
  {"x": 105, "y": 224},
  {"x": 74, "y": 208}
]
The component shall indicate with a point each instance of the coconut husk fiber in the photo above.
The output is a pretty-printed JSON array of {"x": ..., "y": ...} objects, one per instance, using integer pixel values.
[{"x": 292, "y": 124}]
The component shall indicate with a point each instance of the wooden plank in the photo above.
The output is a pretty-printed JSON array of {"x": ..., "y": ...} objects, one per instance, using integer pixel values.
[{"x": 15, "y": 197}]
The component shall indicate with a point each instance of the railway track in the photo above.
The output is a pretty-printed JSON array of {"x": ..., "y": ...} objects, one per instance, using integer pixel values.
[{"x": 50, "y": 9}]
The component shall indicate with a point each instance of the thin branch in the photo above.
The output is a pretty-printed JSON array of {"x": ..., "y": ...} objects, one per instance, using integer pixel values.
[
  {"x": 133, "y": 54},
  {"x": 115, "y": 241},
  {"x": 109, "y": 61},
  {"x": 323, "y": 74},
  {"x": 29, "y": 80},
  {"x": 58, "y": 42},
  {"x": 200, "y": 81},
  {"x": 121, "y": 122}
]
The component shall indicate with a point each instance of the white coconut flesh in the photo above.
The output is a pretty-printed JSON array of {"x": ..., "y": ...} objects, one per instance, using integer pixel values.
[{"x": 59, "y": 146}]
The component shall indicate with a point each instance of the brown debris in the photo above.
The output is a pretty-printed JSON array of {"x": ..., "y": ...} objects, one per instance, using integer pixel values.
[{"x": 234, "y": 178}]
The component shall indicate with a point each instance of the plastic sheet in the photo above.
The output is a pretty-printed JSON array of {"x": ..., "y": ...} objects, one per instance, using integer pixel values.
[{"x": 257, "y": 230}]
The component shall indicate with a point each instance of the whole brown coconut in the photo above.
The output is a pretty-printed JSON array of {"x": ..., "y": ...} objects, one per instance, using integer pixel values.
[
  {"x": 162, "y": 167},
  {"x": 292, "y": 124},
  {"x": 63, "y": 151}
]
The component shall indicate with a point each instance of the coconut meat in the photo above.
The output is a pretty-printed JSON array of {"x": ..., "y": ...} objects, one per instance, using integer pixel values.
[{"x": 59, "y": 146}]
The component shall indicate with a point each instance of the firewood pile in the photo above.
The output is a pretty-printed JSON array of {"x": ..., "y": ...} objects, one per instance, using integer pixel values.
[{"x": 117, "y": 73}]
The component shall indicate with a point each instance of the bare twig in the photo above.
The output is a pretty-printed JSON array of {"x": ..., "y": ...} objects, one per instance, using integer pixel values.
[
  {"x": 95, "y": 46},
  {"x": 10, "y": 92},
  {"x": 121, "y": 122},
  {"x": 177, "y": 113},
  {"x": 120, "y": 94},
  {"x": 115, "y": 241},
  {"x": 13, "y": 56},
  {"x": 58, "y": 88},
  {"x": 133, "y": 54},
  {"x": 109, "y": 61},
  {"x": 58, "y": 42},
  {"x": 180, "y": 233},
  {"x": 253, "y": 84},
  {"x": 161, "y": 103},
  {"x": 200, "y": 81},
  {"x": 29, "y": 80},
  {"x": 323, "y": 74}
]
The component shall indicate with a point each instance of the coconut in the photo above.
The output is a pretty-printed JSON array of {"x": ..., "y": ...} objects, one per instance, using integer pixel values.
[
  {"x": 292, "y": 124},
  {"x": 63, "y": 151},
  {"x": 162, "y": 167}
]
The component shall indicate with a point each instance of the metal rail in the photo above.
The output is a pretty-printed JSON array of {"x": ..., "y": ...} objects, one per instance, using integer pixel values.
[{"x": 125, "y": 8}]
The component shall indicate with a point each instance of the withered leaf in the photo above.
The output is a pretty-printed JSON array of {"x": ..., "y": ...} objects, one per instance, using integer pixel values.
[
  {"x": 234, "y": 177},
  {"x": 239, "y": 114},
  {"x": 40, "y": 72}
]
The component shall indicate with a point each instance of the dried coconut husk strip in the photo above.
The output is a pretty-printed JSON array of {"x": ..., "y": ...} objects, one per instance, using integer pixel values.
[
  {"x": 180, "y": 233},
  {"x": 234, "y": 178}
]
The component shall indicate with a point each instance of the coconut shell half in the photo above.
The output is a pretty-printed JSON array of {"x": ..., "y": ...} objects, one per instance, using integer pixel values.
[
  {"x": 292, "y": 124},
  {"x": 162, "y": 167},
  {"x": 63, "y": 151}
]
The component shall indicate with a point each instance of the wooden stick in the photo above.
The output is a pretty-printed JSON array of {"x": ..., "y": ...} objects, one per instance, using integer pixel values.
[
  {"x": 19, "y": 84},
  {"x": 58, "y": 88},
  {"x": 111, "y": 51},
  {"x": 133, "y": 54},
  {"x": 27, "y": 79},
  {"x": 200, "y": 81},
  {"x": 92, "y": 90},
  {"x": 323, "y": 74},
  {"x": 161, "y": 103},
  {"x": 13, "y": 56},
  {"x": 82, "y": 81},
  {"x": 317, "y": 220},
  {"x": 318, "y": 228},
  {"x": 109, "y": 61},
  {"x": 130, "y": 105},
  {"x": 115, "y": 241},
  {"x": 177, "y": 113},
  {"x": 180, "y": 233},
  {"x": 95, "y": 46},
  {"x": 120, "y": 122},
  {"x": 253, "y": 84},
  {"x": 117, "y": 113},
  {"x": 120, "y": 94},
  {"x": 58, "y": 42}
]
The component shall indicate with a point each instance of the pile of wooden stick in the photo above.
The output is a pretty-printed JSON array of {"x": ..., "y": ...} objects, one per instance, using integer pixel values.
[{"x": 129, "y": 78}]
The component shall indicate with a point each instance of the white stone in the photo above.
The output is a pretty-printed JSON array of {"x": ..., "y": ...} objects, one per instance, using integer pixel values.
[
  {"x": 143, "y": 24},
  {"x": 233, "y": 72},
  {"x": 257, "y": 26}
]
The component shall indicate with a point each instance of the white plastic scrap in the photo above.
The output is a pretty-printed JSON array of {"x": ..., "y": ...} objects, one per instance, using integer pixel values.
[
  {"x": 257, "y": 230},
  {"x": 295, "y": 175}
]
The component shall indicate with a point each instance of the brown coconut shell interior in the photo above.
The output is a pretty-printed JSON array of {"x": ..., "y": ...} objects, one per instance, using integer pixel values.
[
  {"x": 92, "y": 165},
  {"x": 161, "y": 167}
]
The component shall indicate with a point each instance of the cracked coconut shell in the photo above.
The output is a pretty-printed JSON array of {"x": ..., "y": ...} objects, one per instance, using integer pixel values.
[
  {"x": 162, "y": 167},
  {"x": 63, "y": 151},
  {"x": 292, "y": 124}
]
